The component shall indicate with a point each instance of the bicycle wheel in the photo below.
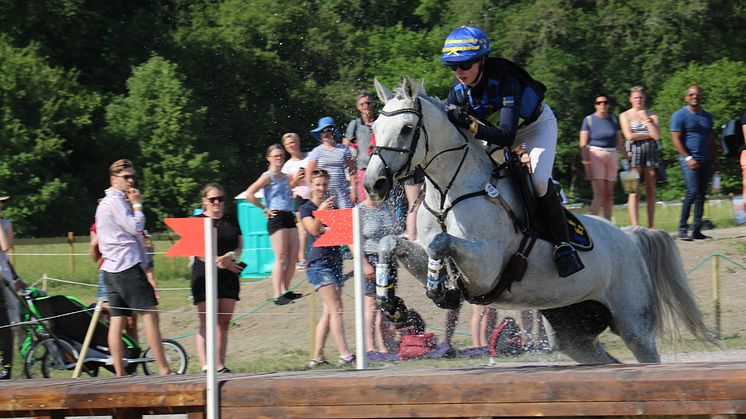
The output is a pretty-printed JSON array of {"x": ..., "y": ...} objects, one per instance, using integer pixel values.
[
  {"x": 50, "y": 359},
  {"x": 176, "y": 358}
]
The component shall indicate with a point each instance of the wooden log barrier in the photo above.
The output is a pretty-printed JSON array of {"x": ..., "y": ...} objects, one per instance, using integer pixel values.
[{"x": 550, "y": 391}]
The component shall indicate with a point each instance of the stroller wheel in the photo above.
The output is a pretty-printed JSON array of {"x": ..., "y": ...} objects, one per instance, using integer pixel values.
[
  {"x": 176, "y": 358},
  {"x": 50, "y": 358}
]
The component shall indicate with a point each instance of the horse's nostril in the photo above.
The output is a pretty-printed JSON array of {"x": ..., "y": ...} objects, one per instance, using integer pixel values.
[{"x": 381, "y": 186}]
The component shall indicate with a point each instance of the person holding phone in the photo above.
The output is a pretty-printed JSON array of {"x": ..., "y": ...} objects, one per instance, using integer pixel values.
[
  {"x": 230, "y": 246},
  {"x": 325, "y": 274}
]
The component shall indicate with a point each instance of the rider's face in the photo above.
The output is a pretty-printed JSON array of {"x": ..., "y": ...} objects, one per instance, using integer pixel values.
[{"x": 469, "y": 77}]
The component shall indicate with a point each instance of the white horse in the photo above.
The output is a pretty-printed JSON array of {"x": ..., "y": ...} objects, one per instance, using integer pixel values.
[{"x": 633, "y": 280}]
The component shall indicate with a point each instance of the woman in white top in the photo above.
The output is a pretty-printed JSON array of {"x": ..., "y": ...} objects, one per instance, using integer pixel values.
[
  {"x": 294, "y": 167},
  {"x": 640, "y": 128}
]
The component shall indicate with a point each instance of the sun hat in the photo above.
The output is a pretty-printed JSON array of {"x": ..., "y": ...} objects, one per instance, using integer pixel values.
[{"x": 324, "y": 122}]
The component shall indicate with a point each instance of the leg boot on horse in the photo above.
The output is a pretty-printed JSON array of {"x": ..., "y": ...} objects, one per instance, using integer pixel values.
[{"x": 565, "y": 256}]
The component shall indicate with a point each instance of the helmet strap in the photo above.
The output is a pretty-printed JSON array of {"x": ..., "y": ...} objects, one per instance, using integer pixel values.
[{"x": 481, "y": 63}]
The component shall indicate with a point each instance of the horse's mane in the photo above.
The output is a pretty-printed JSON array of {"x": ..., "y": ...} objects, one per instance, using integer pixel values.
[{"x": 401, "y": 92}]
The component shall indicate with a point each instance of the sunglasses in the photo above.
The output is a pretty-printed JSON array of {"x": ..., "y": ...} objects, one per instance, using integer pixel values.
[
  {"x": 602, "y": 102},
  {"x": 128, "y": 177},
  {"x": 462, "y": 66},
  {"x": 327, "y": 130},
  {"x": 214, "y": 199},
  {"x": 319, "y": 172}
]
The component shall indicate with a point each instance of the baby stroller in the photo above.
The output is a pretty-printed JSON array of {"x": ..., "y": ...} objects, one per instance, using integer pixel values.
[{"x": 52, "y": 347}]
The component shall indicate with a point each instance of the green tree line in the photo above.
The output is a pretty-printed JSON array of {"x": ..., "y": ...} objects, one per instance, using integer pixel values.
[{"x": 194, "y": 91}]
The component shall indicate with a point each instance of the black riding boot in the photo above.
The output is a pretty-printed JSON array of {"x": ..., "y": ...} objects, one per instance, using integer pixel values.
[{"x": 565, "y": 256}]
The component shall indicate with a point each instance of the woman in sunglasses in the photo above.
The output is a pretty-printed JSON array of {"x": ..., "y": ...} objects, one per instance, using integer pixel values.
[
  {"x": 485, "y": 85},
  {"x": 230, "y": 245},
  {"x": 283, "y": 233},
  {"x": 640, "y": 127},
  {"x": 336, "y": 159},
  {"x": 599, "y": 141}
]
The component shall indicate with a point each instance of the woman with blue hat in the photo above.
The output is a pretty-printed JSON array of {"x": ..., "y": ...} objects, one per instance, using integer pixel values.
[
  {"x": 336, "y": 160},
  {"x": 487, "y": 87}
]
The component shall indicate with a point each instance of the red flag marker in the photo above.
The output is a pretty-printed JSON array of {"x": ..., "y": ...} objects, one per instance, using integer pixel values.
[
  {"x": 340, "y": 227},
  {"x": 192, "y": 233}
]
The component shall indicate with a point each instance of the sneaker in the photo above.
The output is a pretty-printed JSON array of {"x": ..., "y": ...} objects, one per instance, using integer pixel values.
[
  {"x": 282, "y": 300},
  {"x": 316, "y": 363},
  {"x": 293, "y": 295},
  {"x": 300, "y": 266},
  {"x": 224, "y": 370},
  {"x": 348, "y": 359},
  {"x": 697, "y": 235},
  {"x": 684, "y": 236}
]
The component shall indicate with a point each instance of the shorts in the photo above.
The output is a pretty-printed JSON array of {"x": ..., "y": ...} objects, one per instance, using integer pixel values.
[
  {"x": 603, "y": 164},
  {"x": 321, "y": 273},
  {"x": 281, "y": 219},
  {"x": 642, "y": 153},
  {"x": 127, "y": 290},
  {"x": 228, "y": 283},
  {"x": 370, "y": 286},
  {"x": 101, "y": 293}
]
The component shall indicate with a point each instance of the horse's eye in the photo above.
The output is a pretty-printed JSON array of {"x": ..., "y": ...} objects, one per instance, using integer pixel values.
[{"x": 405, "y": 130}]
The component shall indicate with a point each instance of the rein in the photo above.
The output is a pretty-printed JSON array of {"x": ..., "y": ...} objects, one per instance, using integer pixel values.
[{"x": 406, "y": 171}]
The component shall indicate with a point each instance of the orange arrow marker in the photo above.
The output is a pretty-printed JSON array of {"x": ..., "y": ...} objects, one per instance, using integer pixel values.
[
  {"x": 340, "y": 227},
  {"x": 192, "y": 236}
]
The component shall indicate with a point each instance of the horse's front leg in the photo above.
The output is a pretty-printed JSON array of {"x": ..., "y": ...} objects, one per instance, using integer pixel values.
[
  {"x": 443, "y": 294},
  {"x": 414, "y": 258}
]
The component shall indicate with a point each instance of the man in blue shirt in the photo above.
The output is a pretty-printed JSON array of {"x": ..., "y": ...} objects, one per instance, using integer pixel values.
[{"x": 691, "y": 135}]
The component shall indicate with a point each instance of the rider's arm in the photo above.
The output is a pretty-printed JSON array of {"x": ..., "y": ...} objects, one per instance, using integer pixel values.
[{"x": 504, "y": 134}]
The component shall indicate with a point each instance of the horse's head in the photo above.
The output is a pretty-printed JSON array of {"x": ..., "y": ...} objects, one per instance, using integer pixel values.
[{"x": 397, "y": 134}]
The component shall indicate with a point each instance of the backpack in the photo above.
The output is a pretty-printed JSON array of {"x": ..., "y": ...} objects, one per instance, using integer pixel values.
[
  {"x": 506, "y": 339},
  {"x": 588, "y": 120},
  {"x": 731, "y": 139}
]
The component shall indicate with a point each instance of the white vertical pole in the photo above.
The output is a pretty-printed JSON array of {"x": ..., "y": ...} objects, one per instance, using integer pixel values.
[
  {"x": 357, "y": 259},
  {"x": 211, "y": 275}
]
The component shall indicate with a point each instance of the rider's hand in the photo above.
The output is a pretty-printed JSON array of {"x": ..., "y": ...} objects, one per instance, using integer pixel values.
[{"x": 459, "y": 117}]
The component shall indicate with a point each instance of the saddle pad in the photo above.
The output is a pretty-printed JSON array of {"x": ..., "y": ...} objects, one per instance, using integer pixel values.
[{"x": 578, "y": 234}]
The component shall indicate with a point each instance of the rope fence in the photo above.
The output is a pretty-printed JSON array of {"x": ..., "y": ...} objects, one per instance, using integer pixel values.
[{"x": 715, "y": 258}]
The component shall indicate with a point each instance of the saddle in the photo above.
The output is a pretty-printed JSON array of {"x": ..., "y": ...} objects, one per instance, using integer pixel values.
[
  {"x": 532, "y": 223},
  {"x": 529, "y": 222}
]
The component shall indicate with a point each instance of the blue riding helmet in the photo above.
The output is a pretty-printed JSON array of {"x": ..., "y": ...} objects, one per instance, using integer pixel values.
[{"x": 466, "y": 43}]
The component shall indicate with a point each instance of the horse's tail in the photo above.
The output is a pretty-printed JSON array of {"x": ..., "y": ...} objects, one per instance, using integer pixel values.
[{"x": 673, "y": 298}]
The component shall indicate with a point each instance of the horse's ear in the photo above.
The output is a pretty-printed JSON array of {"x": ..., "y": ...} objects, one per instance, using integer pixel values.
[
  {"x": 383, "y": 92},
  {"x": 411, "y": 87}
]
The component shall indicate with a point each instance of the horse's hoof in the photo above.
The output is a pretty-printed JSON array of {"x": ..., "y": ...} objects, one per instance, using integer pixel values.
[
  {"x": 395, "y": 311},
  {"x": 449, "y": 299}
]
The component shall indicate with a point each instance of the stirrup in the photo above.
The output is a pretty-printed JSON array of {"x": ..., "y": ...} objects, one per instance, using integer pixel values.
[{"x": 567, "y": 260}]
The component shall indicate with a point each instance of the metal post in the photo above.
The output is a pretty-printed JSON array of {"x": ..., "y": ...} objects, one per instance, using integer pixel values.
[
  {"x": 211, "y": 275},
  {"x": 357, "y": 245},
  {"x": 716, "y": 292}
]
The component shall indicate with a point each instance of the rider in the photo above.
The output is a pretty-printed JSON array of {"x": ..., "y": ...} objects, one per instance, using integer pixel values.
[{"x": 486, "y": 85}]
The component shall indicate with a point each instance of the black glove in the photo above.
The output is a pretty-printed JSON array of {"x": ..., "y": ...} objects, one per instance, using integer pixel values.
[{"x": 459, "y": 117}]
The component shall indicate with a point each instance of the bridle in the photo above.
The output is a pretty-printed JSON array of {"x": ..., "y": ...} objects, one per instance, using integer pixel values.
[{"x": 407, "y": 171}]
